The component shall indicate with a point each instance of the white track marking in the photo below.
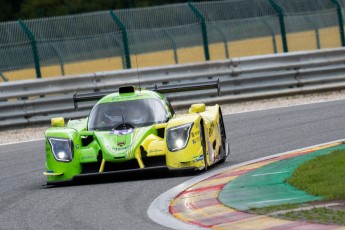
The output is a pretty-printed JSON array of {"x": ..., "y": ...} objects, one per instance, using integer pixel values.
[
  {"x": 20, "y": 142},
  {"x": 264, "y": 174}
]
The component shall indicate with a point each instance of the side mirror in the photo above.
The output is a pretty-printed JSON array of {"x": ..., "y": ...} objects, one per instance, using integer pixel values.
[
  {"x": 58, "y": 122},
  {"x": 197, "y": 108}
]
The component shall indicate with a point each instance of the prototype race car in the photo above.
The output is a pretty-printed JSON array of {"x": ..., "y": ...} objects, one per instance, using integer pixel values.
[{"x": 135, "y": 129}]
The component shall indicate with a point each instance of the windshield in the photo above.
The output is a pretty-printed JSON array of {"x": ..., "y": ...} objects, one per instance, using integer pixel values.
[{"x": 127, "y": 114}]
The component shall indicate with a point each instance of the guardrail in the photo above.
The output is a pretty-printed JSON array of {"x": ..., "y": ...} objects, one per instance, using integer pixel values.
[{"x": 37, "y": 101}]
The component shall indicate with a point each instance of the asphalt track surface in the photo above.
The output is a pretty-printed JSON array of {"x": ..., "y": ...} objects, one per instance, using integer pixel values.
[{"x": 122, "y": 203}]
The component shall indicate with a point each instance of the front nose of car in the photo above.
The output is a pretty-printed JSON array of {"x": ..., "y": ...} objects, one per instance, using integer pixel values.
[{"x": 115, "y": 145}]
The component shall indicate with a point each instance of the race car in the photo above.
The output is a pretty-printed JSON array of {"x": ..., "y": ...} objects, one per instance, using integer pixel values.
[{"x": 135, "y": 129}]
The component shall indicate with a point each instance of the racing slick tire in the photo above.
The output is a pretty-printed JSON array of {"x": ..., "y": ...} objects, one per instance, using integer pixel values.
[
  {"x": 203, "y": 143},
  {"x": 225, "y": 147}
]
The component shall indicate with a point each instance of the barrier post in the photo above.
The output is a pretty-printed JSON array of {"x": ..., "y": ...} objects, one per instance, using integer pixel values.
[
  {"x": 274, "y": 43},
  {"x": 340, "y": 21},
  {"x": 123, "y": 55},
  {"x": 124, "y": 38},
  {"x": 61, "y": 60},
  {"x": 224, "y": 38},
  {"x": 280, "y": 12},
  {"x": 317, "y": 34},
  {"x": 203, "y": 29},
  {"x": 3, "y": 76},
  {"x": 173, "y": 45},
  {"x": 31, "y": 36}
]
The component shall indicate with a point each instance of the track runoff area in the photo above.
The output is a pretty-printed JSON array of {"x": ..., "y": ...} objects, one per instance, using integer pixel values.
[{"x": 204, "y": 202}]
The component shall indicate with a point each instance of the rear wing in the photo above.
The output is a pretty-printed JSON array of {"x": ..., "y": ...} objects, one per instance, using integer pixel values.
[
  {"x": 187, "y": 87},
  {"x": 160, "y": 89},
  {"x": 89, "y": 97}
]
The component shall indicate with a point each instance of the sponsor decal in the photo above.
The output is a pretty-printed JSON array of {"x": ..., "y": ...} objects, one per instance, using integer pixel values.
[
  {"x": 210, "y": 131},
  {"x": 155, "y": 151},
  {"x": 87, "y": 157},
  {"x": 121, "y": 132},
  {"x": 199, "y": 158},
  {"x": 127, "y": 98},
  {"x": 120, "y": 144},
  {"x": 77, "y": 146},
  {"x": 119, "y": 149}
]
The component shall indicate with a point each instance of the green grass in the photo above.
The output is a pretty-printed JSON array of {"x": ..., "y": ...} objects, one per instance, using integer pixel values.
[
  {"x": 323, "y": 176},
  {"x": 317, "y": 215},
  {"x": 320, "y": 215}
]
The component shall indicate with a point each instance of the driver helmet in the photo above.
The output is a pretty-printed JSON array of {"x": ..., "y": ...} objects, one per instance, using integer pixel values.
[
  {"x": 112, "y": 114},
  {"x": 137, "y": 115}
]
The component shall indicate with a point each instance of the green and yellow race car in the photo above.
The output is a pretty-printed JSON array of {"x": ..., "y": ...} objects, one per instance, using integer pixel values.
[{"x": 135, "y": 129}]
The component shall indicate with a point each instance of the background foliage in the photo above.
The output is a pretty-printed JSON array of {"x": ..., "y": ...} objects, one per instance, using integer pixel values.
[{"x": 28, "y": 9}]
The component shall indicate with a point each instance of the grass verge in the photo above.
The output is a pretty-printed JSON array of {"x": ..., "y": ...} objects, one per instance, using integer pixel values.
[
  {"x": 323, "y": 176},
  {"x": 317, "y": 215},
  {"x": 272, "y": 209}
]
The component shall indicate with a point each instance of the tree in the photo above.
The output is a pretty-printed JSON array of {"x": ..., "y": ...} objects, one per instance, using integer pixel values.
[
  {"x": 9, "y": 9},
  {"x": 28, "y": 9}
]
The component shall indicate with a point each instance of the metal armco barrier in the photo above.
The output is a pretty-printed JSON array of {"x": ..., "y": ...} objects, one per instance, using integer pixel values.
[{"x": 37, "y": 101}]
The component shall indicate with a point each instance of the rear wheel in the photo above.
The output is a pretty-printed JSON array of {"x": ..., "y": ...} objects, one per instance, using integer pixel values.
[
  {"x": 225, "y": 147},
  {"x": 203, "y": 143}
]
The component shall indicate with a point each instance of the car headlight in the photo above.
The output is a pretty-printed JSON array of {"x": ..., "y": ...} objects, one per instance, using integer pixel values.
[
  {"x": 177, "y": 137},
  {"x": 62, "y": 148}
]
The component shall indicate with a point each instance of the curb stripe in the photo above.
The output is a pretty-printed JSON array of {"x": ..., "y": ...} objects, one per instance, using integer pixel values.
[
  {"x": 158, "y": 211},
  {"x": 203, "y": 195}
]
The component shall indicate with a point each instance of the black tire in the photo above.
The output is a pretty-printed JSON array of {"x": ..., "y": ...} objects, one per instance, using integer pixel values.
[
  {"x": 203, "y": 143},
  {"x": 225, "y": 147}
]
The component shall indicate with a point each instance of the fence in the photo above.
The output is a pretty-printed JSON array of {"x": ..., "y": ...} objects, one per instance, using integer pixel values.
[
  {"x": 31, "y": 101},
  {"x": 166, "y": 35}
]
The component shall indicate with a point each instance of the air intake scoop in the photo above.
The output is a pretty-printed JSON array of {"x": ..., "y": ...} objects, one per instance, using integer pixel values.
[{"x": 127, "y": 89}]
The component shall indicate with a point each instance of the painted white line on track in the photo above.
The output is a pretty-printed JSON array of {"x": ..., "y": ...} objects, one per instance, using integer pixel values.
[
  {"x": 21, "y": 142},
  {"x": 269, "y": 201},
  {"x": 264, "y": 174},
  {"x": 158, "y": 211}
]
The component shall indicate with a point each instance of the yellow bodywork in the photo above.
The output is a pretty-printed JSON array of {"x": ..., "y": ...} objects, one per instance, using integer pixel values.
[
  {"x": 192, "y": 155},
  {"x": 197, "y": 108},
  {"x": 154, "y": 146},
  {"x": 58, "y": 122}
]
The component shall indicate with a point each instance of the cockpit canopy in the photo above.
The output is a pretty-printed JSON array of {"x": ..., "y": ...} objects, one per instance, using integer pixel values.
[{"x": 127, "y": 114}]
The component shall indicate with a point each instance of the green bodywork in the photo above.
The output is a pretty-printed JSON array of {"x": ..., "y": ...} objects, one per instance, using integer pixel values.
[{"x": 114, "y": 147}]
